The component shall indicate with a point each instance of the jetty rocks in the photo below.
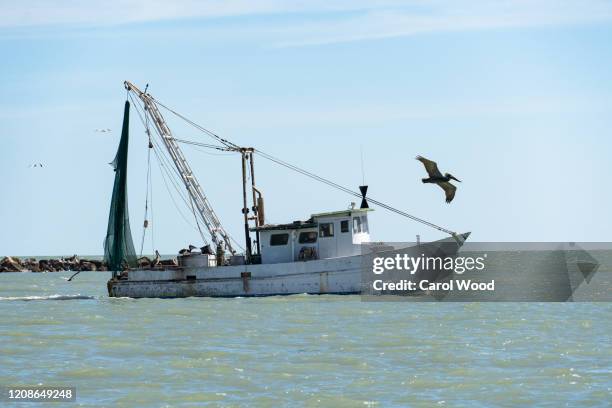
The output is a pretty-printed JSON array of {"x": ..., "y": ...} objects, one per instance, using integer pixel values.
[{"x": 73, "y": 263}]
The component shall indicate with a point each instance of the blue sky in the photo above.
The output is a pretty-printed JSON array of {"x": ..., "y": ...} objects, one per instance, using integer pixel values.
[{"x": 513, "y": 97}]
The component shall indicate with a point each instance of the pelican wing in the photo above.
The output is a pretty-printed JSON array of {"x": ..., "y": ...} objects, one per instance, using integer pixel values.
[
  {"x": 430, "y": 166},
  {"x": 449, "y": 190}
]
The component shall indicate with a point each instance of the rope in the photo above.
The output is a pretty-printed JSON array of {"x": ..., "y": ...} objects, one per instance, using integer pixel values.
[
  {"x": 150, "y": 180},
  {"x": 146, "y": 212},
  {"x": 152, "y": 223}
]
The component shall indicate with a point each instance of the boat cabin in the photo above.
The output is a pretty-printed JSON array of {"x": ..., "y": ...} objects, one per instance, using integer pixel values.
[{"x": 323, "y": 236}]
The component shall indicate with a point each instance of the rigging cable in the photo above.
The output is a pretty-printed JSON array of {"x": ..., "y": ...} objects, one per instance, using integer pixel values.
[
  {"x": 195, "y": 217},
  {"x": 152, "y": 223},
  {"x": 163, "y": 164},
  {"x": 146, "y": 212},
  {"x": 234, "y": 147},
  {"x": 351, "y": 192},
  {"x": 162, "y": 169},
  {"x": 164, "y": 153},
  {"x": 210, "y": 146},
  {"x": 227, "y": 143},
  {"x": 208, "y": 153},
  {"x": 150, "y": 187},
  {"x": 339, "y": 187},
  {"x": 179, "y": 177},
  {"x": 166, "y": 163}
]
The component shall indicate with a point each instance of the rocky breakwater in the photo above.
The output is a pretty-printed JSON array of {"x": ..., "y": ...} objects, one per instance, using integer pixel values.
[{"x": 73, "y": 263}]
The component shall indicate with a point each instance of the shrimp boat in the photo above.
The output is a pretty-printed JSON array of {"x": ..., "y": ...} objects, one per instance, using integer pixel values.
[{"x": 323, "y": 254}]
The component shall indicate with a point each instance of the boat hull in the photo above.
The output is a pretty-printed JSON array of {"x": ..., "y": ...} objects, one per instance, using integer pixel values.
[
  {"x": 343, "y": 276},
  {"x": 333, "y": 276}
]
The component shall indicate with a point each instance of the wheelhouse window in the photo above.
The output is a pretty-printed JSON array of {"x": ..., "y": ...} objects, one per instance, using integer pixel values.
[
  {"x": 364, "y": 224},
  {"x": 356, "y": 225},
  {"x": 309, "y": 237},
  {"x": 279, "y": 239},
  {"x": 344, "y": 226},
  {"x": 326, "y": 230}
]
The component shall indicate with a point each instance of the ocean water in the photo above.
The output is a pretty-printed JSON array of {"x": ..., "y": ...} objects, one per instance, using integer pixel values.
[{"x": 299, "y": 350}]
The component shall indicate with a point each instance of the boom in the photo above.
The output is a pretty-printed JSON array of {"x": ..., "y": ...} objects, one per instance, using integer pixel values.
[{"x": 216, "y": 230}]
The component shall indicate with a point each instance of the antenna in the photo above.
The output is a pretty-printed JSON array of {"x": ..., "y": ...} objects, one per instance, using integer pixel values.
[
  {"x": 362, "y": 168},
  {"x": 363, "y": 187}
]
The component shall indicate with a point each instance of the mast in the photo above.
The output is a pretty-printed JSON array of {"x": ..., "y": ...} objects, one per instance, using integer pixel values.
[
  {"x": 216, "y": 230},
  {"x": 257, "y": 206},
  {"x": 245, "y": 208}
]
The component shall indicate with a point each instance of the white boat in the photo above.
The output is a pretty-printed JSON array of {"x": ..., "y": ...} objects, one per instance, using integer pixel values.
[{"x": 325, "y": 254}]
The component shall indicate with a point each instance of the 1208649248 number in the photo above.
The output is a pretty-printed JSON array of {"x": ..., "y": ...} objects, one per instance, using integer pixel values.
[{"x": 39, "y": 394}]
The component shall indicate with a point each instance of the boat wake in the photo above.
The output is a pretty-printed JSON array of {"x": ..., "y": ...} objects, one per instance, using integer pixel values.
[{"x": 50, "y": 297}]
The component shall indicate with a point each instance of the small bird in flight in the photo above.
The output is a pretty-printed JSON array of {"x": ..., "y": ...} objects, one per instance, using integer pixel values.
[
  {"x": 33, "y": 165},
  {"x": 435, "y": 177},
  {"x": 102, "y": 130}
]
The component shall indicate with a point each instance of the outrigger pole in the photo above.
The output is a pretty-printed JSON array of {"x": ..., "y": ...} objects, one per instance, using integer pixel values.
[{"x": 216, "y": 230}]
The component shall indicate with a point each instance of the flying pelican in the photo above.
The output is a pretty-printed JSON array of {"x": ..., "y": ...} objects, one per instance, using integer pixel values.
[{"x": 436, "y": 177}]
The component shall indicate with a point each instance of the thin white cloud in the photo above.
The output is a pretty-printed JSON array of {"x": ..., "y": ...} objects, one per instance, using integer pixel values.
[
  {"x": 44, "y": 12},
  {"x": 452, "y": 16},
  {"x": 309, "y": 22}
]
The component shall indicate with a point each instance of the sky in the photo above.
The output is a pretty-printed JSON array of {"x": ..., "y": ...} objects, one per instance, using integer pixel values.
[{"x": 513, "y": 97}]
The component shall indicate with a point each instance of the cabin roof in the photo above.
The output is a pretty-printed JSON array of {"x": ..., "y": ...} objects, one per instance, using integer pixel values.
[
  {"x": 296, "y": 225},
  {"x": 346, "y": 213},
  {"x": 310, "y": 223}
]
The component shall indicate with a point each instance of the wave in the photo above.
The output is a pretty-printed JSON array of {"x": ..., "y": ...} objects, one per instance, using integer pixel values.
[{"x": 50, "y": 297}]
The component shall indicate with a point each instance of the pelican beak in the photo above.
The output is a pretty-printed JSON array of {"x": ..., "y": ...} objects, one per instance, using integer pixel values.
[{"x": 455, "y": 178}]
